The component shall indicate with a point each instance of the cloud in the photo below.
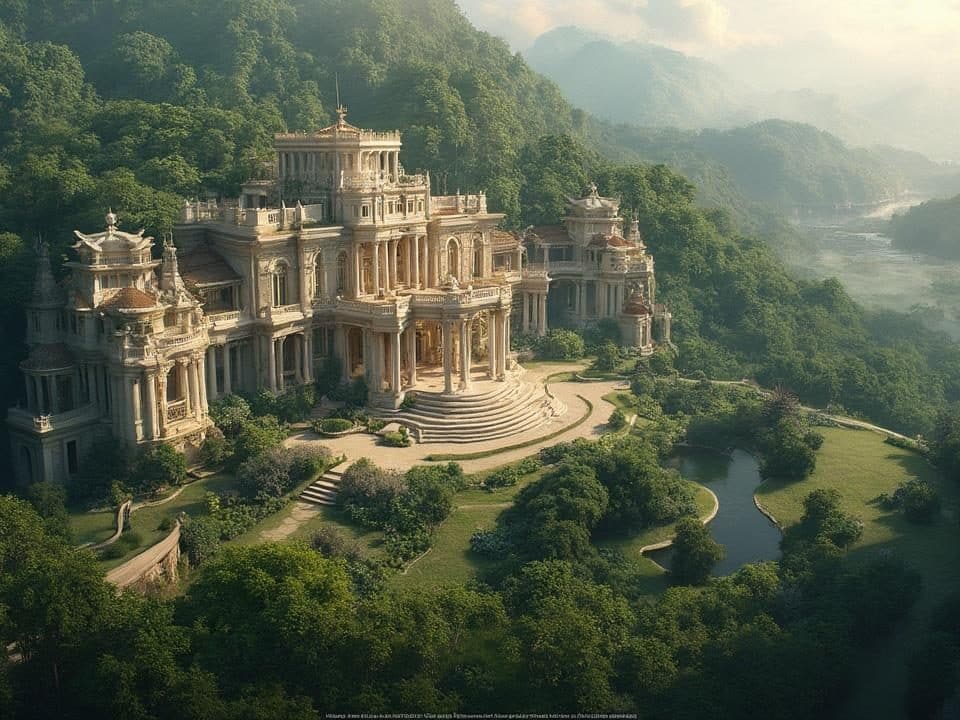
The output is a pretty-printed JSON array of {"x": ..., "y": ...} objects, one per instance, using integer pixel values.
[{"x": 687, "y": 20}]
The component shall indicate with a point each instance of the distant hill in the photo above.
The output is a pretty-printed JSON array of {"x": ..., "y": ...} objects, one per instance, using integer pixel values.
[
  {"x": 637, "y": 82},
  {"x": 932, "y": 227},
  {"x": 773, "y": 162}
]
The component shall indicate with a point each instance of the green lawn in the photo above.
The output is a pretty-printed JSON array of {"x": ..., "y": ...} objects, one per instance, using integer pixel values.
[
  {"x": 93, "y": 527},
  {"x": 861, "y": 466},
  {"x": 623, "y": 400},
  {"x": 368, "y": 540},
  {"x": 144, "y": 528}
]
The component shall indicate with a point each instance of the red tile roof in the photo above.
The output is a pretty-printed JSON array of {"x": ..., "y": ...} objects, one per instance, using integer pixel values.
[{"x": 130, "y": 298}]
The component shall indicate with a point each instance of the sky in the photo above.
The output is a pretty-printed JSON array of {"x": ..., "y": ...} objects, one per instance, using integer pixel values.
[{"x": 855, "y": 46}]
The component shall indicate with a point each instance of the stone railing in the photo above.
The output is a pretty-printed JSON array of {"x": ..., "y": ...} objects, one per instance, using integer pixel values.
[
  {"x": 277, "y": 310},
  {"x": 198, "y": 212},
  {"x": 468, "y": 204},
  {"x": 224, "y": 316},
  {"x": 534, "y": 273},
  {"x": 564, "y": 266},
  {"x": 181, "y": 340},
  {"x": 461, "y": 297},
  {"x": 176, "y": 410},
  {"x": 393, "y": 308}
]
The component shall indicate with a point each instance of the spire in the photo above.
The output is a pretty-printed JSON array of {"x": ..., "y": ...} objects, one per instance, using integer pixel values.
[
  {"x": 170, "y": 281},
  {"x": 341, "y": 110},
  {"x": 45, "y": 289},
  {"x": 635, "y": 237}
]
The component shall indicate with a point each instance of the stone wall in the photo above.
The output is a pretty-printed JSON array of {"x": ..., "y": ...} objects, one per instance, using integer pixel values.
[{"x": 154, "y": 567}]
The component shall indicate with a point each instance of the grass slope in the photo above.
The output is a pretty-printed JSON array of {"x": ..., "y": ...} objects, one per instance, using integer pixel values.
[{"x": 861, "y": 466}]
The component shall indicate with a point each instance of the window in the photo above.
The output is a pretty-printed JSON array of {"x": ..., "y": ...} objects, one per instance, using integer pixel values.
[
  {"x": 356, "y": 211},
  {"x": 390, "y": 207},
  {"x": 409, "y": 206},
  {"x": 365, "y": 211},
  {"x": 419, "y": 205},
  {"x": 280, "y": 285},
  {"x": 73, "y": 464},
  {"x": 318, "y": 276}
]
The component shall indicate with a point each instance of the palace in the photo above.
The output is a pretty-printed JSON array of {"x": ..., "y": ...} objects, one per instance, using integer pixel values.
[{"x": 336, "y": 252}]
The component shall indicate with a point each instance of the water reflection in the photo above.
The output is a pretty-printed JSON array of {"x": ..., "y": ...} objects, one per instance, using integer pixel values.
[{"x": 746, "y": 534}]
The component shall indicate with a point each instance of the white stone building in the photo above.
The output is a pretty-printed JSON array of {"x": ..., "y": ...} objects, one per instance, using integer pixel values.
[{"x": 337, "y": 252}]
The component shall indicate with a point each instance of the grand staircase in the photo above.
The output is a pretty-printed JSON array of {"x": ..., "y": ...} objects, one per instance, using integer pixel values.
[
  {"x": 323, "y": 490},
  {"x": 493, "y": 410}
]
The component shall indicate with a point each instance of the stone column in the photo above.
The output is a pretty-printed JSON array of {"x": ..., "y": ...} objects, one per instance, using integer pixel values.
[
  {"x": 212, "y": 372},
  {"x": 162, "y": 405},
  {"x": 54, "y": 394},
  {"x": 464, "y": 354},
  {"x": 357, "y": 262},
  {"x": 297, "y": 357},
  {"x": 415, "y": 261},
  {"x": 376, "y": 268},
  {"x": 31, "y": 393},
  {"x": 412, "y": 353},
  {"x": 392, "y": 271},
  {"x": 447, "y": 356},
  {"x": 395, "y": 362},
  {"x": 525, "y": 311},
  {"x": 204, "y": 402},
  {"x": 281, "y": 364},
  {"x": 424, "y": 251},
  {"x": 343, "y": 352},
  {"x": 542, "y": 328},
  {"x": 137, "y": 409},
  {"x": 492, "y": 343},
  {"x": 227, "y": 380},
  {"x": 381, "y": 354},
  {"x": 272, "y": 363},
  {"x": 196, "y": 405},
  {"x": 308, "y": 355},
  {"x": 152, "y": 409},
  {"x": 407, "y": 260}
]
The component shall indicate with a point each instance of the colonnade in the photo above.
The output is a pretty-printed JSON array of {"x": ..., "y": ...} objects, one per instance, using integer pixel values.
[
  {"x": 385, "y": 274},
  {"x": 533, "y": 312},
  {"x": 296, "y": 347},
  {"x": 313, "y": 165}
]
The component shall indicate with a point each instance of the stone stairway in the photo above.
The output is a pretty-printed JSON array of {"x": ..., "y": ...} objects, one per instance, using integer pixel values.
[
  {"x": 323, "y": 490},
  {"x": 495, "y": 411}
]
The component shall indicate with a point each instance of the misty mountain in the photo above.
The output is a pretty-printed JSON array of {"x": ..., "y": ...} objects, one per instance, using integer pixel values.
[
  {"x": 637, "y": 82},
  {"x": 653, "y": 86}
]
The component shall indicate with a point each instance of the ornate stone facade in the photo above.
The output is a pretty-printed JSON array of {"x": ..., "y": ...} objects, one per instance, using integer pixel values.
[
  {"x": 585, "y": 270},
  {"x": 335, "y": 252}
]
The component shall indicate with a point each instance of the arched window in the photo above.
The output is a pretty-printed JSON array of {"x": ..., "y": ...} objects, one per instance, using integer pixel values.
[
  {"x": 477, "y": 270},
  {"x": 318, "y": 283},
  {"x": 280, "y": 285},
  {"x": 453, "y": 258},
  {"x": 341, "y": 272}
]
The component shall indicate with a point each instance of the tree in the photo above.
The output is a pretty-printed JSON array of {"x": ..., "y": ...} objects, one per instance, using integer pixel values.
[
  {"x": 694, "y": 553},
  {"x": 256, "y": 436},
  {"x": 160, "y": 466},
  {"x": 608, "y": 355},
  {"x": 49, "y": 500},
  {"x": 561, "y": 345}
]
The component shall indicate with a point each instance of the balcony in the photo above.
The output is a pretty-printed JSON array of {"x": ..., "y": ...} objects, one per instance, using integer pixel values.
[{"x": 176, "y": 410}]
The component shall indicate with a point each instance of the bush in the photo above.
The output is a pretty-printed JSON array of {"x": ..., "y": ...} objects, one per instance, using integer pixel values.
[
  {"x": 608, "y": 355},
  {"x": 295, "y": 404},
  {"x": 103, "y": 475},
  {"x": 279, "y": 470},
  {"x": 256, "y": 437},
  {"x": 352, "y": 393},
  {"x": 367, "y": 491},
  {"x": 375, "y": 425},
  {"x": 230, "y": 413},
  {"x": 490, "y": 543},
  {"x": 529, "y": 465},
  {"x": 160, "y": 466},
  {"x": 199, "y": 539},
  {"x": 332, "y": 426},
  {"x": 617, "y": 419},
  {"x": 915, "y": 498},
  {"x": 560, "y": 345},
  {"x": 215, "y": 450},
  {"x": 504, "y": 477},
  {"x": 332, "y": 543},
  {"x": 397, "y": 438},
  {"x": 409, "y": 400}
]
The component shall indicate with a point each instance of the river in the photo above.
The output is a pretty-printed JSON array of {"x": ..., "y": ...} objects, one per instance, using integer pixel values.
[{"x": 745, "y": 533}]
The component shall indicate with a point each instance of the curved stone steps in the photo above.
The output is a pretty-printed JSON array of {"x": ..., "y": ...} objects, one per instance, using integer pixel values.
[{"x": 513, "y": 409}]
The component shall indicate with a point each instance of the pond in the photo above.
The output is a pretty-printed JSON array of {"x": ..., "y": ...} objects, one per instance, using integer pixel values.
[{"x": 746, "y": 534}]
